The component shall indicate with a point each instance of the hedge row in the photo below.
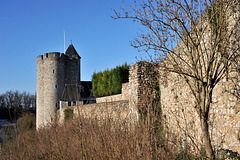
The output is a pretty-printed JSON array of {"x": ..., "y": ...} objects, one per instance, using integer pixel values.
[{"x": 109, "y": 82}]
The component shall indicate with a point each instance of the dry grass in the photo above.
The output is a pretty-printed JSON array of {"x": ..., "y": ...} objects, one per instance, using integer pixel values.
[{"x": 85, "y": 139}]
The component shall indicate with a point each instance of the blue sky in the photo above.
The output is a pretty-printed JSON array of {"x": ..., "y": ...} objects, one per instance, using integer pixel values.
[{"x": 29, "y": 28}]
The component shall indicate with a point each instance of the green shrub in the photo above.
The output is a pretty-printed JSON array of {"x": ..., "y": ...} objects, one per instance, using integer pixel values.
[
  {"x": 109, "y": 82},
  {"x": 227, "y": 154},
  {"x": 68, "y": 113}
]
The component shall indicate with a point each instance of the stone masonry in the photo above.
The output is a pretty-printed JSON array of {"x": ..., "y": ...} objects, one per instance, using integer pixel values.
[
  {"x": 182, "y": 120},
  {"x": 54, "y": 70},
  {"x": 177, "y": 105}
]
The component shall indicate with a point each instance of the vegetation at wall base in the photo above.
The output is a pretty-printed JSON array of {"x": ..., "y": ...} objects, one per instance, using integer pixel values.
[
  {"x": 109, "y": 82},
  {"x": 68, "y": 113},
  {"x": 10, "y": 131},
  {"x": 86, "y": 139},
  {"x": 26, "y": 123}
]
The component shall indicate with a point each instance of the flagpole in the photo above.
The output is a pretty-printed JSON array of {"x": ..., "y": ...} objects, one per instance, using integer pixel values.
[{"x": 64, "y": 41}]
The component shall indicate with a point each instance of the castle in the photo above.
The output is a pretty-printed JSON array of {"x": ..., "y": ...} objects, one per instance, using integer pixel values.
[
  {"x": 55, "y": 87},
  {"x": 58, "y": 78}
]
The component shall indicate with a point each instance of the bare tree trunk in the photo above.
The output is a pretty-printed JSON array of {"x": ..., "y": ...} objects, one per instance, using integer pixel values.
[
  {"x": 9, "y": 112},
  {"x": 205, "y": 96},
  {"x": 206, "y": 137}
]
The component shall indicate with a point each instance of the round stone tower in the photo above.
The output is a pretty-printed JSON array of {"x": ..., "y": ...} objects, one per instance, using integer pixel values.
[
  {"x": 50, "y": 85},
  {"x": 54, "y": 71}
]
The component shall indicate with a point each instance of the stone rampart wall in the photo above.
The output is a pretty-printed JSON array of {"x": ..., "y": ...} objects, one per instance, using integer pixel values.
[
  {"x": 113, "y": 98},
  {"x": 143, "y": 78},
  {"x": 181, "y": 118},
  {"x": 117, "y": 111},
  {"x": 118, "y": 97},
  {"x": 125, "y": 91},
  {"x": 178, "y": 112}
]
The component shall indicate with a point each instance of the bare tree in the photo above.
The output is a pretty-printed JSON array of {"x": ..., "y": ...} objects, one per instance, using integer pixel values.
[
  {"x": 28, "y": 102},
  {"x": 193, "y": 38},
  {"x": 2, "y": 101},
  {"x": 9, "y": 98},
  {"x": 17, "y": 103},
  {"x": 33, "y": 102}
]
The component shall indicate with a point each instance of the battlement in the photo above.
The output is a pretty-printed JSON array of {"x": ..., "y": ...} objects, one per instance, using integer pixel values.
[
  {"x": 40, "y": 57},
  {"x": 50, "y": 55}
]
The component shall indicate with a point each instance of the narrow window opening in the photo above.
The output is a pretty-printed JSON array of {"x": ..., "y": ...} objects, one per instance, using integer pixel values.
[
  {"x": 69, "y": 103},
  {"x": 74, "y": 103},
  {"x": 53, "y": 71},
  {"x": 56, "y": 86}
]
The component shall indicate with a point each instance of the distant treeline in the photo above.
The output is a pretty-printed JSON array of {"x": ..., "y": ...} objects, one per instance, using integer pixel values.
[
  {"x": 109, "y": 82},
  {"x": 13, "y": 104}
]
